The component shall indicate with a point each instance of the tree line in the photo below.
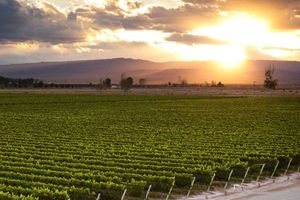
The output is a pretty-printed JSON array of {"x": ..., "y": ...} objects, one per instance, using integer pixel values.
[
  {"x": 20, "y": 83},
  {"x": 6, "y": 82},
  {"x": 126, "y": 82}
]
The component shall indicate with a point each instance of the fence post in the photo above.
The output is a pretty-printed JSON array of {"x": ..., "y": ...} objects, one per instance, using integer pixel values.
[
  {"x": 288, "y": 166},
  {"x": 191, "y": 187},
  {"x": 124, "y": 194},
  {"x": 245, "y": 176},
  {"x": 275, "y": 168},
  {"x": 170, "y": 191},
  {"x": 98, "y": 197},
  {"x": 229, "y": 177},
  {"x": 261, "y": 170},
  {"x": 211, "y": 181},
  {"x": 148, "y": 192}
]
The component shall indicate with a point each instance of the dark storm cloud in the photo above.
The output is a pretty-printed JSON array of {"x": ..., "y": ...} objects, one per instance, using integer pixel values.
[
  {"x": 20, "y": 22},
  {"x": 193, "y": 39}
]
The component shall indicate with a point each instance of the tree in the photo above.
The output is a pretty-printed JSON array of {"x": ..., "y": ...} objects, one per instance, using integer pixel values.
[
  {"x": 126, "y": 83},
  {"x": 220, "y": 84},
  {"x": 213, "y": 83},
  {"x": 38, "y": 84},
  {"x": 129, "y": 81},
  {"x": 104, "y": 84},
  {"x": 107, "y": 83},
  {"x": 270, "y": 82},
  {"x": 183, "y": 83},
  {"x": 142, "y": 82},
  {"x": 100, "y": 84}
]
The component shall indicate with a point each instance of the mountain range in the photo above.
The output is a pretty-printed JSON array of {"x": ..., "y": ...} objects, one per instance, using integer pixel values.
[{"x": 91, "y": 71}]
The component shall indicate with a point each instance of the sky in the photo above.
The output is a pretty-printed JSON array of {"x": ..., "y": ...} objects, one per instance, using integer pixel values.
[{"x": 228, "y": 31}]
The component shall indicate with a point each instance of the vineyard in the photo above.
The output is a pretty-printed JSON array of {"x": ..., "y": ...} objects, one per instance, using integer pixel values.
[{"x": 87, "y": 147}]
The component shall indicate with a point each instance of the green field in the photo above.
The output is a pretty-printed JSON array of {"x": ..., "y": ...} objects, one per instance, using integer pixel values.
[{"x": 76, "y": 146}]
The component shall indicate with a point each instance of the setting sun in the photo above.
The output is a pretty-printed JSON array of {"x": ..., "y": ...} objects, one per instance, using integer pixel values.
[
  {"x": 242, "y": 30},
  {"x": 231, "y": 57},
  {"x": 238, "y": 32}
]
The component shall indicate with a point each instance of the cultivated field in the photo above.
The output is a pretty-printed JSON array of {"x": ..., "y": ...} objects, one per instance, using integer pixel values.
[
  {"x": 228, "y": 91},
  {"x": 61, "y": 146}
]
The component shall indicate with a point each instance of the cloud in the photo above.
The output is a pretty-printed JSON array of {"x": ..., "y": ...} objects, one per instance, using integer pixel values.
[
  {"x": 203, "y": 2},
  {"x": 13, "y": 53},
  {"x": 193, "y": 39},
  {"x": 246, "y": 4},
  {"x": 72, "y": 16},
  {"x": 182, "y": 19},
  {"x": 45, "y": 24},
  {"x": 20, "y": 22},
  {"x": 191, "y": 14},
  {"x": 101, "y": 17},
  {"x": 179, "y": 19},
  {"x": 282, "y": 14}
]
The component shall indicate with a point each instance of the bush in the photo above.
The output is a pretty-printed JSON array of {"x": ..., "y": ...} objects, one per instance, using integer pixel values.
[
  {"x": 47, "y": 194},
  {"x": 80, "y": 194},
  {"x": 203, "y": 175},
  {"x": 222, "y": 173},
  {"x": 183, "y": 180},
  {"x": 136, "y": 188},
  {"x": 161, "y": 184}
]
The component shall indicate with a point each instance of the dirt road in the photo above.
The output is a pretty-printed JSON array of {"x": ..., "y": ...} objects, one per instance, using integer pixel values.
[
  {"x": 291, "y": 192},
  {"x": 284, "y": 188}
]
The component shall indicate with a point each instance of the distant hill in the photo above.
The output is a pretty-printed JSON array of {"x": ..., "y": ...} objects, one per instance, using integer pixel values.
[{"x": 194, "y": 72}]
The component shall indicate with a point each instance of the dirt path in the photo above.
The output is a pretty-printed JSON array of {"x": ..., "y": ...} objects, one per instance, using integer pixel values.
[{"x": 282, "y": 189}]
